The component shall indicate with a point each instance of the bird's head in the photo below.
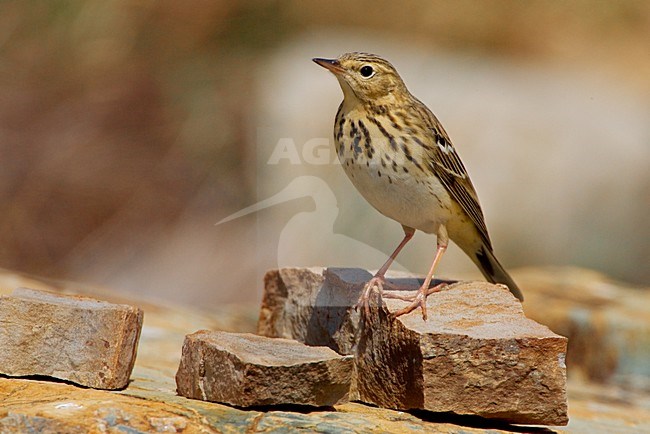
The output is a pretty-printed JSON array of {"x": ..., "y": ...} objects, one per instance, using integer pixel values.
[{"x": 365, "y": 77}]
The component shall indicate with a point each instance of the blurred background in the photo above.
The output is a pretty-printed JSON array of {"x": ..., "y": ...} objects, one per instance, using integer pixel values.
[{"x": 128, "y": 129}]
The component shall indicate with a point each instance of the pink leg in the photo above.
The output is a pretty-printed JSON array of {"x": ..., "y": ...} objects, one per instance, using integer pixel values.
[
  {"x": 420, "y": 298},
  {"x": 379, "y": 280}
]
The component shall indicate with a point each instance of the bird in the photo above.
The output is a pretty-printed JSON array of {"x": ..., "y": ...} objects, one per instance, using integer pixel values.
[{"x": 399, "y": 157}]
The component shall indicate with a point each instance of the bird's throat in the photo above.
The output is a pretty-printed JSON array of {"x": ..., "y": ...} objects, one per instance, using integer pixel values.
[{"x": 350, "y": 99}]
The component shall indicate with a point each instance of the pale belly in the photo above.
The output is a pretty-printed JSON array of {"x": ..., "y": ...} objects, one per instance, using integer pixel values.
[{"x": 423, "y": 205}]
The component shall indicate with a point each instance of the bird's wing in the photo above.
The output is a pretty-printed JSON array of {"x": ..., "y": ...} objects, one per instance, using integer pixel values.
[{"x": 447, "y": 166}]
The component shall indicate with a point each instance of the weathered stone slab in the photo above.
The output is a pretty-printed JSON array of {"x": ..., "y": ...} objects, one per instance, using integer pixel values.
[
  {"x": 83, "y": 340},
  {"x": 288, "y": 303},
  {"x": 476, "y": 355},
  {"x": 301, "y": 304},
  {"x": 249, "y": 370}
]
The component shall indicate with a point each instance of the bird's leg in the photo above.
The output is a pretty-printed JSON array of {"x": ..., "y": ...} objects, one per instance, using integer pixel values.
[
  {"x": 420, "y": 298},
  {"x": 378, "y": 281}
]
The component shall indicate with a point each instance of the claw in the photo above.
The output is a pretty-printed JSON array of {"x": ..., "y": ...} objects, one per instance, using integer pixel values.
[
  {"x": 419, "y": 300},
  {"x": 377, "y": 282}
]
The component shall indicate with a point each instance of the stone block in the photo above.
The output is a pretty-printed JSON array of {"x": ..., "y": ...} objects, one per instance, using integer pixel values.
[
  {"x": 247, "y": 370},
  {"x": 79, "y": 339}
]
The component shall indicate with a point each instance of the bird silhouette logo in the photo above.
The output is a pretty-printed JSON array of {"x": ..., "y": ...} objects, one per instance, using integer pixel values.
[{"x": 308, "y": 237}]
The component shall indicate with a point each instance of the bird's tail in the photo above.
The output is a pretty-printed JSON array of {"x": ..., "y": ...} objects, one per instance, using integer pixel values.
[{"x": 494, "y": 271}]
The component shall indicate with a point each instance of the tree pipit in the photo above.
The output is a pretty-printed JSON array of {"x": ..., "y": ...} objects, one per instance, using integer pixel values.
[{"x": 400, "y": 158}]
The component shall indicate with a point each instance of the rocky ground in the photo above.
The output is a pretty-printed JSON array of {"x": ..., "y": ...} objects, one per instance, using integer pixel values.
[{"x": 592, "y": 311}]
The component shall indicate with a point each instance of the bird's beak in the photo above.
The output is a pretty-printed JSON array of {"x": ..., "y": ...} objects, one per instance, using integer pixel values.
[{"x": 332, "y": 65}]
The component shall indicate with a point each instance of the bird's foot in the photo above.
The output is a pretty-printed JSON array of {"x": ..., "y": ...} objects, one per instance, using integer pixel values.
[
  {"x": 419, "y": 299},
  {"x": 377, "y": 283}
]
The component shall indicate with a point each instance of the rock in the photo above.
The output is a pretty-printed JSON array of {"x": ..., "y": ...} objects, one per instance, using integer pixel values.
[
  {"x": 309, "y": 305},
  {"x": 86, "y": 341},
  {"x": 476, "y": 355},
  {"x": 288, "y": 302},
  {"x": 248, "y": 370},
  {"x": 150, "y": 403}
]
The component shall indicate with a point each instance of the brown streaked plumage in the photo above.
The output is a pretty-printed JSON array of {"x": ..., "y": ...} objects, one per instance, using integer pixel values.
[{"x": 400, "y": 158}]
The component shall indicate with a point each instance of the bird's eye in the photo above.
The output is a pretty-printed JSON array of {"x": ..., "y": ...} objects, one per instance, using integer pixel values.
[{"x": 367, "y": 71}]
